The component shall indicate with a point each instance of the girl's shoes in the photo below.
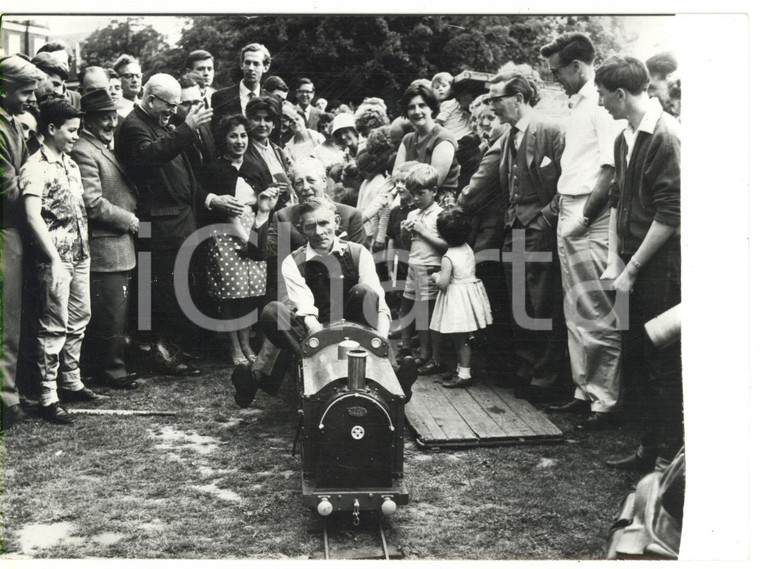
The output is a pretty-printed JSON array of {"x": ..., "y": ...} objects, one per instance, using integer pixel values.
[
  {"x": 431, "y": 368},
  {"x": 457, "y": 381}
]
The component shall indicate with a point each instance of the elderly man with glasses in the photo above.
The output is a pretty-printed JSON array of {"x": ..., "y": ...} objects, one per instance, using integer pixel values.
[{"x": 156, "y": 157}]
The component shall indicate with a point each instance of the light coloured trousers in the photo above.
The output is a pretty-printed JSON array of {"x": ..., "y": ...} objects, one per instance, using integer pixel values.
[
  {"x": 64, "y": 318},
  {"x": 594, "y": 340}
]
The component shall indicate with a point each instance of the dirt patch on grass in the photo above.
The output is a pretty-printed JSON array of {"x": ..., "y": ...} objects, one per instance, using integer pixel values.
[
  {"x": 173, "y": 439},
  {"x": 546, "y": 463},
  {"x": 213, "y": 490},
  {"x": 34, "y": 538}
]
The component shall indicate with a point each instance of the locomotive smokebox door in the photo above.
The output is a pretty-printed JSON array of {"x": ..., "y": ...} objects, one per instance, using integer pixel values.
[{"x": 356, "y": 441}]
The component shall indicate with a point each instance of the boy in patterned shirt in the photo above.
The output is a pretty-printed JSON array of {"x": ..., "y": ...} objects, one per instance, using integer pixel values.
[{"x": 51, "y": 186}]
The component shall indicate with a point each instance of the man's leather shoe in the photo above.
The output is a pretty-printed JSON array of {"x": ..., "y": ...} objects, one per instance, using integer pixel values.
[
  {"x": 81, "y": 395},
  {"x": 404, "y": 352},
  {"x": 599, "y": 422},
  {"x": 245, "y": 382},
  {"x": 168, "y": 361},
  {"x": 432, "y": 368},
  {"x": 634, "y": 462},
  {"x": 575, "y": 406},
  {"x": 129, "y": 381},
  {"x": 12, "y": 416},
  {"x": 407, "y": 375},
  {"x": 533, "y": 393},
  {"x": 55, "y": 413}
]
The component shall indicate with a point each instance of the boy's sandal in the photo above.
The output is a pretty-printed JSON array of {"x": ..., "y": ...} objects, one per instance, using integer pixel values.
[
  {"x": 419, "y": 362},
  {"x": 432, "y": 368}
]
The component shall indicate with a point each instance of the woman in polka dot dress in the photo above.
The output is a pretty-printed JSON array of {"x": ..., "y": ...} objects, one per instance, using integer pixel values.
[{"x": 233, "y": 208}]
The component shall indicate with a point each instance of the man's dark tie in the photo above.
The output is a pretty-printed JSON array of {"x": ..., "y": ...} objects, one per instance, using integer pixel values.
[{"x": 511, "y": 143}]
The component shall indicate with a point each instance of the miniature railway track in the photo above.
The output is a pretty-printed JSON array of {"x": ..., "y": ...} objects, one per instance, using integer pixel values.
[{"x": 384, "y": 551}]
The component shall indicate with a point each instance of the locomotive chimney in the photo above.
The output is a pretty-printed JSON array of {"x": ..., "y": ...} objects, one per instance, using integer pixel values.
[{"x": 357, "y": 369}]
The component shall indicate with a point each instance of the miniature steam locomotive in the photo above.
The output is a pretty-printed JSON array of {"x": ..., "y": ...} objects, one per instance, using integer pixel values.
[{"x": 352, "y": 431}]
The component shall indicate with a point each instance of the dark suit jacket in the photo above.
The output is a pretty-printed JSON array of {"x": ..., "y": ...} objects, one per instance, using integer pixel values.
[
  {"x": 155, "y": 158},
  {"x": 203, "y": 152},
  {"x": 283, "y": 224},
  {"x": 111, "y": 201},
  {"x": 313, "y": 120},
  {"x": 226, "y": 102},
  {"x": 544, "y": 143}
]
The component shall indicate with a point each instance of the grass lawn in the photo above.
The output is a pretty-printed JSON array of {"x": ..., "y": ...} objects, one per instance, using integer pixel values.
[{"x": 215, "y": 481}]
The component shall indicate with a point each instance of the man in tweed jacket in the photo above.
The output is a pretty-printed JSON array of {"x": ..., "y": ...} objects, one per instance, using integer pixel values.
[{"x": 111, "y": 200}]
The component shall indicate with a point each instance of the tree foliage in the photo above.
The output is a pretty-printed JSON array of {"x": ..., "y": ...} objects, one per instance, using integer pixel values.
[
  {"x": 351, "y": 57},
  {"x": 105, "y": 45}
]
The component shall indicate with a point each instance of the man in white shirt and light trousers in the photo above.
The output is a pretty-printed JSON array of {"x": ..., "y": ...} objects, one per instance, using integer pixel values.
[{"x": 594, "y": 340}]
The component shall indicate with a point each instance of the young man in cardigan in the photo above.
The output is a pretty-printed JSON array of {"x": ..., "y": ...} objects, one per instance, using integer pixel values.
[{"x": 645, "y": 251}]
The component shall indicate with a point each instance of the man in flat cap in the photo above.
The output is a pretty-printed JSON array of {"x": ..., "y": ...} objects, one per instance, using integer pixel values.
[
  {"x": 111, "y": 201},
  {"x": 19, "y": 80}
]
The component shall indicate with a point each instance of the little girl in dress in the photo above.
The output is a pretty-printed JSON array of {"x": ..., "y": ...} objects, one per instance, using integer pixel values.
[{"x": 462, "y": 305}]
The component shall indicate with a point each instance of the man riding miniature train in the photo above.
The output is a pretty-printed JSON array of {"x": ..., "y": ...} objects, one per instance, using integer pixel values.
[{"x": 311, "y": 274}]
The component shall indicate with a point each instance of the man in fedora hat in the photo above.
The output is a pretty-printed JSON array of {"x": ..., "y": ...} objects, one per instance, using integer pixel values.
[{"x": 111, "y": 200}]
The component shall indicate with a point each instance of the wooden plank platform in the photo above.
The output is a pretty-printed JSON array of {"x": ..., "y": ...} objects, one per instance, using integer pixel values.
[{"x": 482, "y": 415}]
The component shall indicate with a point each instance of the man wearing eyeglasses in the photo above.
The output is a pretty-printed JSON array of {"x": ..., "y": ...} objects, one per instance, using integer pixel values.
[
  {"x": 521, "y": 169},
  {"x": 191, "y": 97},
  {"x": 130, "y": 74},
  {"x": 582, "y": 233},
  {"x": 304, "y": 97},
  {"x": 156, "y": 157}
]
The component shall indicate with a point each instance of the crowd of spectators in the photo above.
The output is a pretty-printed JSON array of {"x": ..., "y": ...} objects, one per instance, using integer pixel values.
[{"x": 486, "y": 218}]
